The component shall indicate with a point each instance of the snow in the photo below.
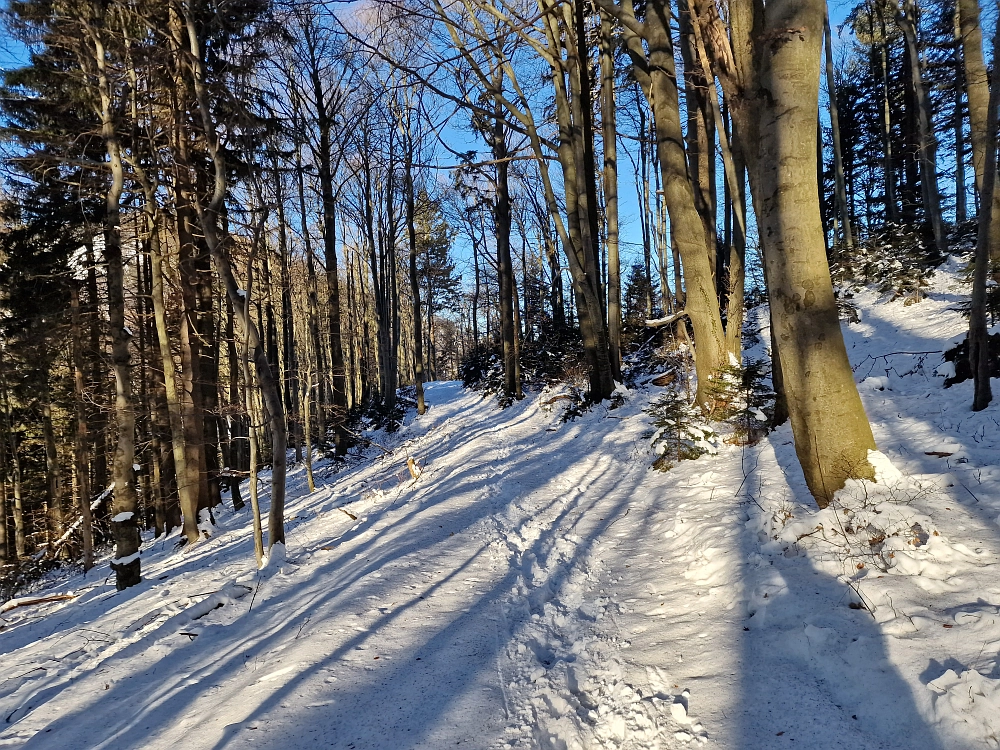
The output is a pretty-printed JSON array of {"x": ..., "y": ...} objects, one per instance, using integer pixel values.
[
  {"x": 540, "y": 587},
  {"x": 127, "y": 560},
  {"x": 122, "y": 517}
]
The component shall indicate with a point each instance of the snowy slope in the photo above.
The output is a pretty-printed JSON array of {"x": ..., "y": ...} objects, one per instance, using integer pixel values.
[{"x": 540, "y": 586}]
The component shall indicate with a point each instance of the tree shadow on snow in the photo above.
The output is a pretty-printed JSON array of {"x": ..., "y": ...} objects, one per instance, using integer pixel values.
[
  {"x": 442, "y": 664},
  {"x": 814, "y": 672}
]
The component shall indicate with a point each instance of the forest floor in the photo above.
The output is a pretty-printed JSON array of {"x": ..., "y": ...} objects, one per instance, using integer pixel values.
[{"x": 540, "y": 586}]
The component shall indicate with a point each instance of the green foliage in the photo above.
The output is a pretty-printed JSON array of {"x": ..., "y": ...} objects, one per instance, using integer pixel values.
[
  {"x": 554, "y": 355},
  {"x": 738, "y": 412},
  {"x": 440, "y": 283},
  {"x": 897, "y": 260},
  {"x": 637, "y": 286},
  {"x": 682, "y": 434}
]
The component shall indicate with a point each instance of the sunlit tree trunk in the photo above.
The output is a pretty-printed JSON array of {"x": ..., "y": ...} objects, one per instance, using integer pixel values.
[{"x": 832, "y": 434}]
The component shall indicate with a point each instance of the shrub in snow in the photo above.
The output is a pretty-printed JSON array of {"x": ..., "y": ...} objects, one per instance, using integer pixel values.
[
  {"x": 896, "y": 259},
  {"x": 682, "y": 433},
  {"x": 551, "y": 355},
  {"x": 741, "y": 397},
  {"x": 738, "y": 412},
  {"x": 958, "y": 358}
]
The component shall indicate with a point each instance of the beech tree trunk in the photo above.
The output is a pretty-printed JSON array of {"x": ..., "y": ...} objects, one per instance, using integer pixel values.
[
  {"x": 658, "y": 78},
  {"x": 832, "y": 434}
]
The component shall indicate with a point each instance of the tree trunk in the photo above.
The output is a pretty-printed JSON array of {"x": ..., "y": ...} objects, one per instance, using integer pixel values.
[
  {"x": 961, "y": 203},
  {"x": 610, "y": 134},
  {"x": 687, "y": 227},
  {"x": 700, "y": 132},
  {"x": 926, "y": 141},
  {"x": 840, "y": 186},
  {"x": 978, "y": 88},
  {"x": 979, "y": 335},
  {"x": 411, "y": 231},
  {"x": 505, "y": 266},
  {"x": 124, "y": 526},
  {"x": 81, "y": 454},
  {"x": 832, "y": 434},
  {"x": 209, "y": 217},
  {"x": 289, "y": 355},
  {"x": 187, "y": 490}
]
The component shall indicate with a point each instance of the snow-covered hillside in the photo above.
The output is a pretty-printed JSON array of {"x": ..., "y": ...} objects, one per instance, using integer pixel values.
[{"x": 540, "y": 586}]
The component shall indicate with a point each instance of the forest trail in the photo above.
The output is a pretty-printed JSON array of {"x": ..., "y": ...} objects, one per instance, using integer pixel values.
[{"x": 540, "y": 586}]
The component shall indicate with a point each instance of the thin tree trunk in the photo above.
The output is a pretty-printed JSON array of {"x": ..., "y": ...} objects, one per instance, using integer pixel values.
[
  {"x": 411, "y": 232},
  {"x": 505, "y": 267},
  {"x": 979, "y": 335},
  {"x": 927, "y": 143},
  {"x": 838, "y": 157},
  {"x": 961, "y": 203},
  {"x": 81, "y": 454},
  {"x": 610, "y": 135},
  {"x": 186, "y": 491}
]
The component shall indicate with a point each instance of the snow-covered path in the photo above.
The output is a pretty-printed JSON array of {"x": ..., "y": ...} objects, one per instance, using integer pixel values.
[{"x": 540, "y": 586}]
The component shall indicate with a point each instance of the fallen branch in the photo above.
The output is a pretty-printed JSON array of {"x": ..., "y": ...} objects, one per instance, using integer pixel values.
[
  {"x": 31, "y": 601},
  {"x": 51, "y": 549},
  {"x": 564, "y": 396},
  {"x": 660, "y": 322}
]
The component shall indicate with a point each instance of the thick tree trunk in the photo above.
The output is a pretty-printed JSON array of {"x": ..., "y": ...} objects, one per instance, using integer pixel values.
[{"x": 832, "y": 434}]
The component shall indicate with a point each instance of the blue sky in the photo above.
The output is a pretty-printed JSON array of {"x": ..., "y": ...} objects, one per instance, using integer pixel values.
[{"x": 12, "y": 54}]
